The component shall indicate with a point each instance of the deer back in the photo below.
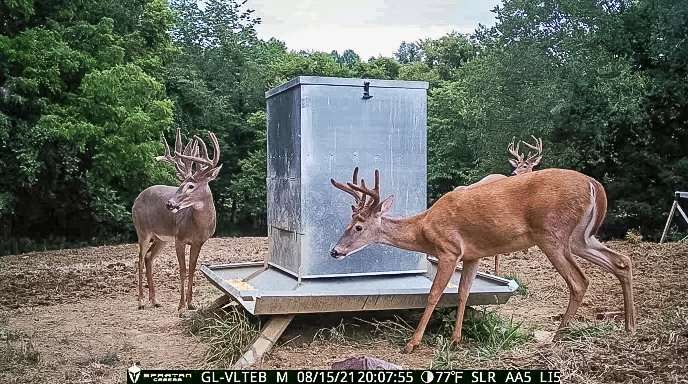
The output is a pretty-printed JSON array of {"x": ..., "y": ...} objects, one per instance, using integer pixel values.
[{"x": 509, "y": 214}]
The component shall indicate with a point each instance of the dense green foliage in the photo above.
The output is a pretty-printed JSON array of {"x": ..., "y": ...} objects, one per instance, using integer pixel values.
[{"x": 86, "y": 88}]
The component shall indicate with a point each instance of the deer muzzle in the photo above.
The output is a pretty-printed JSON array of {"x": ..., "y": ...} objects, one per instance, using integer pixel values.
[
  {"x": 172, "y": 206},
  {"x": 336, "y": 254}
]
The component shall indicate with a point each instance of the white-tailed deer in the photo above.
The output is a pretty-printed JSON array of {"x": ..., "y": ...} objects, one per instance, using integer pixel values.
[
  {"x": 184, "y": 214},
  {"x": 522, "y": 164},
  {"x": 557, "y": 210}
]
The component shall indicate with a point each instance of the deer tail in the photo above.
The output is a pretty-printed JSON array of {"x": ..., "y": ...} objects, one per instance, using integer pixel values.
[{"x": 599, "y": 197}]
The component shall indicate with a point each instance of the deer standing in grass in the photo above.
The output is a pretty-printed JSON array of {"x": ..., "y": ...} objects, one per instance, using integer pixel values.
[
  {"x": 522, "y": 164},
  {"x": 184, "y": 214},
  {"x": 558, "y": 210}
]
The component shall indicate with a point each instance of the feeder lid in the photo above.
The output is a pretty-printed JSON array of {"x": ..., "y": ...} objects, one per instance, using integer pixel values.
[{"x": 343, "y": 81}]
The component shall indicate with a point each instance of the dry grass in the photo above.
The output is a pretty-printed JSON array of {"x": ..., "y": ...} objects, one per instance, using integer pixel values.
[
  {"x": 17, "y": 349},
  {"x": 227, "y": 333}
]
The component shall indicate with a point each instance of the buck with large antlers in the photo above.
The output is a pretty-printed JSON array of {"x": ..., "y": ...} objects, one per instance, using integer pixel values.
[
  {"x": 522, "y": 164},
  {"x": 184, "y": 214},
  {"x": 558, "y": 210}
]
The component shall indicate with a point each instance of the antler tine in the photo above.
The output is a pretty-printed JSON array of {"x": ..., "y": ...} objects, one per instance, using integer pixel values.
[
  {"x": 203, "y": 149},
  {"x": 346, "y": 188},
  {"x": 168, "y": 158},
  {"x": 537, "y": 147},
  {"x": 374, "y": 193},
  {"x": 515, "y": 152},
  {"x": 216, "y": 149},
  {"x": 178, "y": 141},
  {"x": 206, "y": 159}
]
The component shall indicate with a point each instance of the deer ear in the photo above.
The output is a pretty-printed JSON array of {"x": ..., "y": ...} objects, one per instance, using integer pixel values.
[
  {"x": 212, "y": 175},
  {"x": 513, "y": 163},
  {"x": 386, "y": 204}
]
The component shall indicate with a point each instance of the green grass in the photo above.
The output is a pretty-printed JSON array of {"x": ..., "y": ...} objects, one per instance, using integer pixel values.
[
  {"x": 522, "y": 289},
  {"x": 397, "y": 330},
  {"x": 585, "y": 331},
  {"x": 110, "y": 358},
  {"x": 493, "y": 333},
  {"x": 485, "y": 333},
  {"x": 446, "y": 355},
  {"x": 227, "y": 333}
]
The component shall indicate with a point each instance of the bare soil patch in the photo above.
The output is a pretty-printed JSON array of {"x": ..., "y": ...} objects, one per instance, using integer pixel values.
[{"x": 78, "y": 309}]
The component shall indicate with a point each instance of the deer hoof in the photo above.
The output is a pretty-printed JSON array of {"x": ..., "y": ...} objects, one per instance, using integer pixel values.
[
  {"x": 190, "y": 307},
  {"x": 409, "y": 348},
  {"x": 141, "y": 306},
  {"x": 558, "y": 335}
]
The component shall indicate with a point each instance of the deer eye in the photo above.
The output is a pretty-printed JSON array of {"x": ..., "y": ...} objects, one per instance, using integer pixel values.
[
  {"x": 358, "y": 228},
  {"x": 191, "y": 186}
]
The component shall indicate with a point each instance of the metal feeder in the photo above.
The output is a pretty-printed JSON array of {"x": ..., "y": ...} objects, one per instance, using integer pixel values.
[{"x": 323, "y": 127}]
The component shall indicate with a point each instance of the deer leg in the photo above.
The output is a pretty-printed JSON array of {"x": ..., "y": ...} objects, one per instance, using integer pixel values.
[
  {"x": 144, "y": 244},
  {"x": 470, "y": 269},
  {"x": 615, "y": 263},
  {"x": 181, "y": 258},
  {"x": 445, "y": 268},
  {"x": 193, "y": 258},
  {"x": 559, "y": 254},
  {"x": 152, "y": 254}
]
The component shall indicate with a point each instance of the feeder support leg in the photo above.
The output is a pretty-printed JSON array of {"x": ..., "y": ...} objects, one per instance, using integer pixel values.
[
  {"x": 668, "y": 223},
  {"x": 266, "y": 339}
]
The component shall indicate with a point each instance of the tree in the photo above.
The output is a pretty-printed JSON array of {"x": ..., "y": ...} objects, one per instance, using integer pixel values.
[
  {"x": 447, "y": 54},
  {"x": 82, "y": 107},
  {"x": 408, "y": 53}
]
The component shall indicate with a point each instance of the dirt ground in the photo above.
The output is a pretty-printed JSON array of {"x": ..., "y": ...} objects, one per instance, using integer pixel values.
[{"x": 76, "y": 311}]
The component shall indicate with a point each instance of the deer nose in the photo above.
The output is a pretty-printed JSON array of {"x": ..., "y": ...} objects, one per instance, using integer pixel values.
[
  {"x": 334, "y": 253},
  {"x": 169, "y": 205}
]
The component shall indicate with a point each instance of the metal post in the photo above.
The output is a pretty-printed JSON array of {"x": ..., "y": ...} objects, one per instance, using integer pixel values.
[{"x": 671, "y": 216}]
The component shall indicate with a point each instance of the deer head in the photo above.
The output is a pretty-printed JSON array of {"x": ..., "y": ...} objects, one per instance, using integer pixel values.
[
  {"x": 366, "y": 217},
  {"x": 195, "y": 169},
  {"x": 524, "y": 164}
]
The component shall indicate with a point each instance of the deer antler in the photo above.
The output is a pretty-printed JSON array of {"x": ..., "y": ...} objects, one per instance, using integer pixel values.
[
  {"x": 205, "y": 159},
  {"x": 373, "y": 193},
  {"x": 537, "y": 147},
  {"x": 514, "y": 151},
  {"x": 183, "y": 168},
  {"x": 361, "y": 192},
  {"x": 344, "y": 187}
]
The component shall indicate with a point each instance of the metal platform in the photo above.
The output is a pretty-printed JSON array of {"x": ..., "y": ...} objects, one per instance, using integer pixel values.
[{"x": 270, "y": 291}]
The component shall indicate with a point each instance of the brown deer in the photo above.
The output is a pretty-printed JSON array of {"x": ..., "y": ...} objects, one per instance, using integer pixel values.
[
  {"x": 184, "y": 214},
  {"x": 558, "y": 210},
  {"x": 522, "y": 164}
]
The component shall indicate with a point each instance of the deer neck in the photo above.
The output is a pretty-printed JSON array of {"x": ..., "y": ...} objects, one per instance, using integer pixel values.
[
  {"x": 203, "y": 211},
  {"x": 405, "y": 233}
]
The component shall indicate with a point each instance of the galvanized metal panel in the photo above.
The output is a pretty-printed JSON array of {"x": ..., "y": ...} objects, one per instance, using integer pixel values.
[
  {"x": 340, "y": 131},
  {"x": 327, "y": 132},
  {"x": 276, "y": 292},
  {"x": 283, "y": 178}
]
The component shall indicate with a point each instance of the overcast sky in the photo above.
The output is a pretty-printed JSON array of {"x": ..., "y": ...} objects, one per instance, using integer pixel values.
[{"x": 369, "y": 27}]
